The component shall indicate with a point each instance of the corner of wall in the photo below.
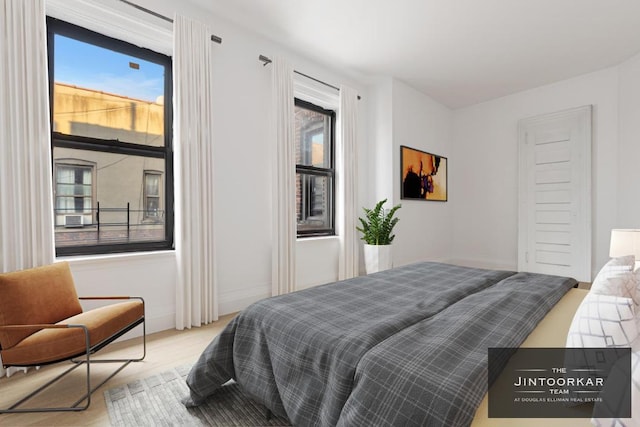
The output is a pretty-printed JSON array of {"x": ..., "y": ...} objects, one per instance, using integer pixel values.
[{"x": 381, "y": 128}]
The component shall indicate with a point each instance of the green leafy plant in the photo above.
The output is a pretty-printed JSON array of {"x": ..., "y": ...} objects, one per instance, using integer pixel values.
[{"x": 377, "y": 227}]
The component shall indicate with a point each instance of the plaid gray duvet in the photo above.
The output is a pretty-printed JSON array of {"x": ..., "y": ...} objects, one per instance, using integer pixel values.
[{"x": 406, "y": 346}]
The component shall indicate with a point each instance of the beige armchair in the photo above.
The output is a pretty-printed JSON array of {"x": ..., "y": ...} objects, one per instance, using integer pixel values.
[{"x": 42, "y": 322}]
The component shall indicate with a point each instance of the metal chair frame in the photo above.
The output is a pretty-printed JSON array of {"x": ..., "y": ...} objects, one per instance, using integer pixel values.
[{"x": 86, "y": 360}]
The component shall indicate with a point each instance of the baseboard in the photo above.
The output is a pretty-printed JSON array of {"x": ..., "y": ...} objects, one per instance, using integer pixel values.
[
  {"x": 161, "y": 322},
  {"x": 154, "y": 324}
]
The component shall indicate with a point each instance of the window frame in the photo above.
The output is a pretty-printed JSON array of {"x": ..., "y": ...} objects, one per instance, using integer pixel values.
[
  {"x": 56, "y": 26},
  {"x": 314, "y": 171}
]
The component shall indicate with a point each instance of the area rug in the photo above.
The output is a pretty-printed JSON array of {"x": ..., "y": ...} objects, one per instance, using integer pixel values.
[{"x": 157, "y": 401}]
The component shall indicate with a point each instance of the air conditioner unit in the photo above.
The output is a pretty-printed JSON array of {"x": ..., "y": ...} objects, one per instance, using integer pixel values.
[{"x": 71, "y": 221}]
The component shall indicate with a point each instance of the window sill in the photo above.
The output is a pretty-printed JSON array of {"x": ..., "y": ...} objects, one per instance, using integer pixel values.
[
  {"x": 126, "y": 256},
  {"x": 317, "y": 238}
]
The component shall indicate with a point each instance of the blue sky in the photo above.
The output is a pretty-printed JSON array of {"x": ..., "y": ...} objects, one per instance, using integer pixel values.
[{"x": 93, "y": 67}]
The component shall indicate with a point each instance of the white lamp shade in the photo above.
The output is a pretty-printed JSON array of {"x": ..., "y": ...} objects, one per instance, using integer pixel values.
[{"x": 625, "y": 242}]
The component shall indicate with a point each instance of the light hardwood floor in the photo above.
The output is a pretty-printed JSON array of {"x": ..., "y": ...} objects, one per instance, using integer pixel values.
[{"x": 164, "y": 350}]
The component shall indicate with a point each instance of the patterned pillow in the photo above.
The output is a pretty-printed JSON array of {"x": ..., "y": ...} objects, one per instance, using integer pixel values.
[
  {"x": 615, "y": 267},
  {"x": 603, "y": 321},
  {"x": 600, "y": 321},
  {"x": 623, "y": 285}
]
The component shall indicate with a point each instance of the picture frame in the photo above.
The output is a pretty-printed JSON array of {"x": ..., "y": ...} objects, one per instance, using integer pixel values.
[{"x": 423, "y": 175}]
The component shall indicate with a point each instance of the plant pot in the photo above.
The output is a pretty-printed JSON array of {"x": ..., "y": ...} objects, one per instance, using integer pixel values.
[{"x": 377, "y": 258}]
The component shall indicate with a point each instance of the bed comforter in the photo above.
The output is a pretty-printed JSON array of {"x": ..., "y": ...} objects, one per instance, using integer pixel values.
[{"x": 406, "y": 346}]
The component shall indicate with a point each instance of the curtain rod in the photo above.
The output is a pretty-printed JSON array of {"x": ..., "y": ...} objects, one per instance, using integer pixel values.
[
  {"x": 214, "y": 38},
  {"x": 267, "y": 60}
]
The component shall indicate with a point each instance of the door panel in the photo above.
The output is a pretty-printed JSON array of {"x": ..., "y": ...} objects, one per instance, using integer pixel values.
[{"x": 554, "y": 224}]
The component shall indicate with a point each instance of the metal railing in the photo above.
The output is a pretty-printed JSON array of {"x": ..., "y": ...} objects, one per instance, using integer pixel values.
[{"x": 110, "y": 215}]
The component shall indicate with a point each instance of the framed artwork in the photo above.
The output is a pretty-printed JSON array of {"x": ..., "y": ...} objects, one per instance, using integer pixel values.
[{"x": 424, "y": 175}]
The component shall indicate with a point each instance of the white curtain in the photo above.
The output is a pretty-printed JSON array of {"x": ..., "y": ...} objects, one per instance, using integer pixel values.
[
  {"x": 284, "y": 179},
  {"x": 347, "y": 183},
  {"x": 26, "y": 206},
  {"x": 196, "y": 293}
]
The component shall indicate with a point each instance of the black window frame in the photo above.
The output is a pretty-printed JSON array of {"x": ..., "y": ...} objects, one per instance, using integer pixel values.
[
  {"x": 56, "y": 26},
  {"x": 315, "y": 171}
]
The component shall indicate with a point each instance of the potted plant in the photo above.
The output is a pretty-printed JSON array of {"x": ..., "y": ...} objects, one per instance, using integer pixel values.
[{"x": 376, "y": 232}]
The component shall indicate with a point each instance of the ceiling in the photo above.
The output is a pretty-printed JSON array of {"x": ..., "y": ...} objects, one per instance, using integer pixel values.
[{"x": 459, "y": 52}]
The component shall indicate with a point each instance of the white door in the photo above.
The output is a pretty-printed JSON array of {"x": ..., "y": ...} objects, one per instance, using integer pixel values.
[{"x": 554, "y": 224}]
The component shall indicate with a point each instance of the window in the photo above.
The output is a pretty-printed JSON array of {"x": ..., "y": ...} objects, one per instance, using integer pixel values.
[
  {"x": 152, "y": 210},
  {"x": 315, "y": 173},
  {"x": 74, "y": 194},
  {"x": 111, "y": 143}
]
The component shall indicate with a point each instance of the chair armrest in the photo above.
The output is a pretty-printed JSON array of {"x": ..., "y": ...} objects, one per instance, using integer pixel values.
[
  {"x": 113, "y": 297},
  {"x": 39, "y": 326}
]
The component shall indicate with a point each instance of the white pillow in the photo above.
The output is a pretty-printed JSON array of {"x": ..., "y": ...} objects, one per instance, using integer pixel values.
[
  {"x": 623, "y": 285},
  {"x": 603, "y": 321},
  {"x": 613, "y": 268}
]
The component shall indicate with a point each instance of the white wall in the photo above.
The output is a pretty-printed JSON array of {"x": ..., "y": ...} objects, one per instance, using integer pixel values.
[
  {"x": 242, "y": 190},
  {"x": 400, "y": 115},
  {"x": 316, "y": 261},
  {"x": 485, "y": 177},
  {"x": 629, "y": 149},
  {"x": 145, "y": 275},
  {"x": 424, "y": 230}
]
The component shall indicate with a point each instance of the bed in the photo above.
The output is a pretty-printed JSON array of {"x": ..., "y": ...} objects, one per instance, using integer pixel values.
[
  {"x": 406, "y": 346},
  {"x": 550, "y": 332}
]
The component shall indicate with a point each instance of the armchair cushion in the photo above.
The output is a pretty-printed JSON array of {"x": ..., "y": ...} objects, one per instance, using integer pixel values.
[
  {"x": 50, "y": 345},
  {"x": 41, "y": 295}
]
